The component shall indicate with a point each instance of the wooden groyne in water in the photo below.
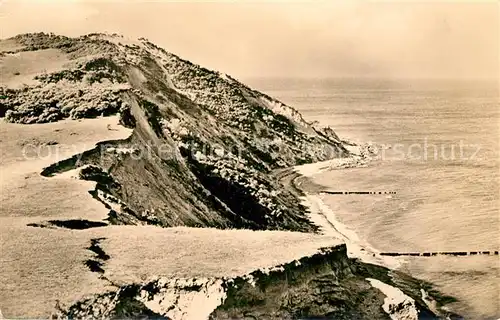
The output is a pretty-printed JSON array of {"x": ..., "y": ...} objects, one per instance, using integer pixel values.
[
  {"x": 443, "y": 253},
  {"x": 359, "y": 192},
  {"x": 414, "y": 254}
]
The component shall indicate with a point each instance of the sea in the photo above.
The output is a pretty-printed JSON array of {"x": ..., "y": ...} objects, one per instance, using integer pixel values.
[{"x": 437, "y": 146}]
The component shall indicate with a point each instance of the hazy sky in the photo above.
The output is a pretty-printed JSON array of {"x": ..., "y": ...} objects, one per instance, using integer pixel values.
[{"x": 309, "y": 39}]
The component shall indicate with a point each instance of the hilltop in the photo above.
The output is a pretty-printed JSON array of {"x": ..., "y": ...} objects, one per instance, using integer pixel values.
[{"x": 204, "y": 143}]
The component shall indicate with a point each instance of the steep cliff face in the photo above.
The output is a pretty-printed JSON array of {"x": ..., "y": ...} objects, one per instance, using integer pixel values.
[
  {"x": 326, "y": 285},
  {"x": 203, "y": 143}
]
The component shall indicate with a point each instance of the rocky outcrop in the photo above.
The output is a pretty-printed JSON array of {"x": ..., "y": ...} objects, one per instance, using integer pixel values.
[
  {"x": 396, "y": 304},
  {"x": 326, "y": 285},
  {"x": 183, "y": 298},
  {"x": 121, "y": 304}
]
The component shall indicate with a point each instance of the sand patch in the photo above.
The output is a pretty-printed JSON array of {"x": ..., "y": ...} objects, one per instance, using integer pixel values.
[
  {"x": 26, "y": 149},
  {"x": 18, "y": 69}
]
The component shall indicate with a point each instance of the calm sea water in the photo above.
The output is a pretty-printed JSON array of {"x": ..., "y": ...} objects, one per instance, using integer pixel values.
[{"x": 441, "y": 156}]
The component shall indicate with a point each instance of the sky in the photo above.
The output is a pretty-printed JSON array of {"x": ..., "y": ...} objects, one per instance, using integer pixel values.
[{"x": 289, "y": 39}]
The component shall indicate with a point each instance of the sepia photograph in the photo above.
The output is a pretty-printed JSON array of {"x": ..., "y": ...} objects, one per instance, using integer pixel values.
[{"x": 271, "y": 159}]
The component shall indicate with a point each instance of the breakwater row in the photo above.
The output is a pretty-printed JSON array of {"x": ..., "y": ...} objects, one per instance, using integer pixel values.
[{"x": 432, "y": 254}]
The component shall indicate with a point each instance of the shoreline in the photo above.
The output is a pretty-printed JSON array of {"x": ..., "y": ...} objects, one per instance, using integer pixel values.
[
  {"x": 321, "y": 215},
  {"x": 326, "y": 219}
]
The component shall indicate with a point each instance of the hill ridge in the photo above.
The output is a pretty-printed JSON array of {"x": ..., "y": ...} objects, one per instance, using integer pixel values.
[{"x": 222, "y": 138}]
